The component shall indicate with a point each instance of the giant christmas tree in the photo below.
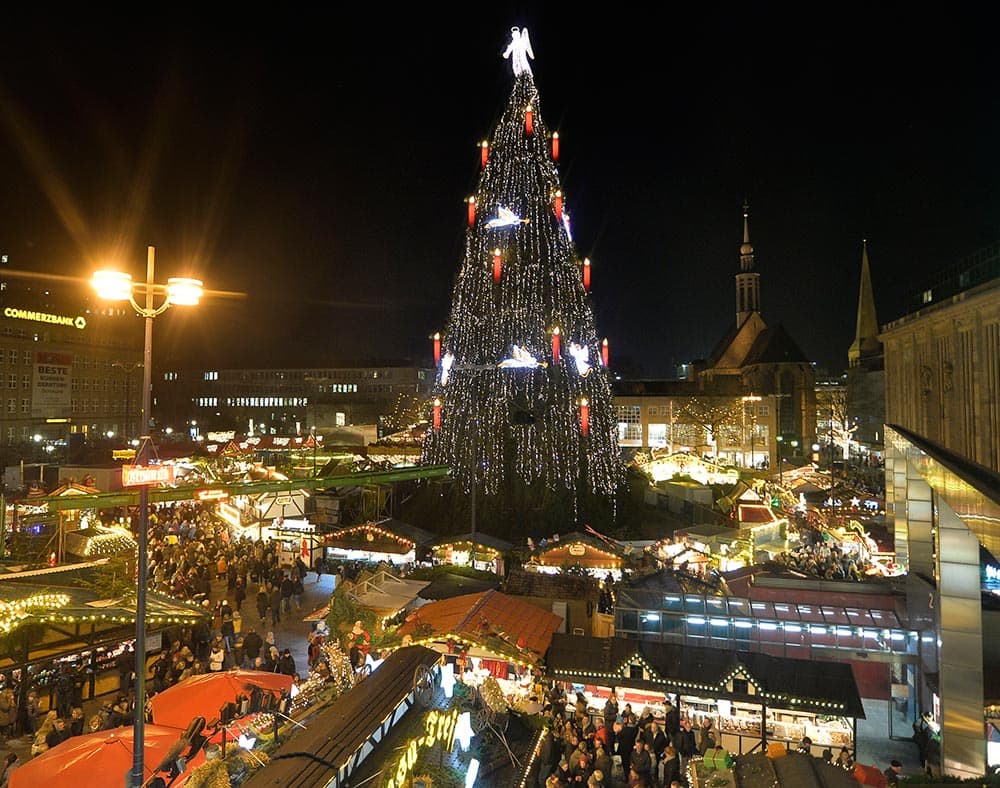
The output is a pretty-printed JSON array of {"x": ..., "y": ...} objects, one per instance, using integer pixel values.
[{"x": 523, "y": 406}]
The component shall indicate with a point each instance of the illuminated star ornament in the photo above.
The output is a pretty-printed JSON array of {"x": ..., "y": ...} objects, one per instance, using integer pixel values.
[
  {"x": 519, "y": 50},
  {"x": 506, "y": 218},
  {"x": 521, "y": 359},
  {"x": 581, "y": 355}
]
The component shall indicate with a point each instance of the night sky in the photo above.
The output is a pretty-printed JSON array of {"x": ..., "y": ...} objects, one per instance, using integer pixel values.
[{"x": 320, "y": 165}]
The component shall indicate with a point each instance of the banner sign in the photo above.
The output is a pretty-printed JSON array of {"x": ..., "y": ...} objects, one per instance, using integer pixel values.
[
  {"x": 140, "y": 475},
  {"x": 51, "y": 386}
]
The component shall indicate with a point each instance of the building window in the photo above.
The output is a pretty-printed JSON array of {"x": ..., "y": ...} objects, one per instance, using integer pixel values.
[
  {"x": 12, "y": 381},
  {"x": 657, "y": 436},
  {"x": 12, "y": 406},
  {"x": 25, "y": 406},
  {"x": 11, "y": 434},
  {"x": 12, "y": 356},
  {"x": 28, "y": 357},
  {"x": 652, "y": 410},
  {"x": 340, "y": 419},
  {"x": 629, "y": 425},
  {"x": 26, "y": 381}
]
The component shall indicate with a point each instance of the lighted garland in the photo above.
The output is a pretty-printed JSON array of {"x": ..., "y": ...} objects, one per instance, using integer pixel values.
[
  {"x": 13, "y": 614},
  {"x": 498, "y": 423}
]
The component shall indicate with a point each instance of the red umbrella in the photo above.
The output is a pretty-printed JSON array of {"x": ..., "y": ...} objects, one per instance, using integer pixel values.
[
  {"x": 205, "y": 694},
  {"x": 97, "y": 760}
]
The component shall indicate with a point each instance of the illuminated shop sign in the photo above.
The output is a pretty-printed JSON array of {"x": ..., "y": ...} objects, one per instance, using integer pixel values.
[{"x": 44, "y": 317}]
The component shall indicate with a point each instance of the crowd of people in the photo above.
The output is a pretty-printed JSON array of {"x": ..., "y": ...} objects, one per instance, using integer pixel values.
[
  {"x": 620, "y": 748},
  {"x": 188, "y": 550},
  {"x": 823, "y": 560}
]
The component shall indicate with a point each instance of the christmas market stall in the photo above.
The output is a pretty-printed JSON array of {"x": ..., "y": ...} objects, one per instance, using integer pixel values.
[
  {"x": 732, "y": 692},
  {"x": 389, "y": 540},
  {"x": 78, "y": 618},
  {"x": 481, "y": 551},
  {"x": 331, "y": 749},
  {"x": 596, "y": 556},
  {"x": 490, "y": 634}
]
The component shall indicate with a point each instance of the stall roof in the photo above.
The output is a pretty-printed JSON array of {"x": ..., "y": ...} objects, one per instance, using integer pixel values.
[
  {"x": 351, "y": 535},
  {"x": 491, "y": 619},
  {"x": 479, "y": 538},
  {"x": 562, "y": 586},
  {"x": 385, "y": 593},
  {"x": 450, "y": 585},
  {"x": 334, "y": 739},
  {"x": 817, "y": 686}
]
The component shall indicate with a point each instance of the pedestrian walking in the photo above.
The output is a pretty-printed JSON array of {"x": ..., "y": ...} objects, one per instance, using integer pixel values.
[{"x": 263, "y": 603}]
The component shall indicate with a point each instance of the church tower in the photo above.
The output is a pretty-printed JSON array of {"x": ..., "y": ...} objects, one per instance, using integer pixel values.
[
  {"x": 866, "y": 348},
  {"x": 747, "y": 280}
]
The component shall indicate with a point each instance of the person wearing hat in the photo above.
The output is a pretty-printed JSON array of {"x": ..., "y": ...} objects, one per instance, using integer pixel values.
[
  {"x": 286, "y": 663},
  {"x": 892, "y": 772}
]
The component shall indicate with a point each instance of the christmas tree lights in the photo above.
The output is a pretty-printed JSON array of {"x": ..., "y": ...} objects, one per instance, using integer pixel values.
[{"x": 510, "y": 401}]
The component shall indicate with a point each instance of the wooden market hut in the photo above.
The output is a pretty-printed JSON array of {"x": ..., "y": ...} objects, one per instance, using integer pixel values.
[
  {"x": 489, "y": 552},
  {"x": 595, "y": 556},
  {"x": 501, "y": 630},
  {"x": 389, "y": 540},
  {"x": 735, "y": 689}
]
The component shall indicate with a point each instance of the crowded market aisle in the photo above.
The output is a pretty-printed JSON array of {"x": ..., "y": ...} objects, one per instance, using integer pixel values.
[{"x": 290, "y": 632}]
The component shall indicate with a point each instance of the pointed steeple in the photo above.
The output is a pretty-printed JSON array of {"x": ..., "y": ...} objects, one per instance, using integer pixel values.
[
  {"x": 747, "y": 280},
  {"x": 866, "y": 342}
]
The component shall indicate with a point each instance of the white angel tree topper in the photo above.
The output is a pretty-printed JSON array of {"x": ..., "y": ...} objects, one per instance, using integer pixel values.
[{"x": 521, "y": 422}]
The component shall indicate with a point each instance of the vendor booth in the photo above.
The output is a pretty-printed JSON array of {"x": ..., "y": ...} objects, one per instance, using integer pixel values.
[
  {"x": 481, "y": 551},
  {"x": 390, "y": 540},
  {"x": 486, "y": 634},
  {"x": 597, "y": 557},
  {"x": 750, "y": 699}
]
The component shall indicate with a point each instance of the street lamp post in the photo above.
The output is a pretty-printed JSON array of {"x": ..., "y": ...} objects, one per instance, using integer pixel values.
[
  {"x": 780, "y": 439},
  {"x": 753, "y": 424},
  {"x": 117, "y": 286}
]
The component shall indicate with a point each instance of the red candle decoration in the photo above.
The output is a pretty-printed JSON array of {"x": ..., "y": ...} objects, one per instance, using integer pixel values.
[
  {"x": 472, "y": 211},
  {"x": 437, "y": 348},
  {"x": 437, "y": 414},
  {"x": 555, "y": 146},
  {"x": 529, "y": 121},
  {"x": 484, "y": 154},
  {"x": 604, "y": 351},
  {"x": 558, "y": 205},
  {"x": 555, "y": 345},
  {"x": 496, "y": 265},
  {"x": 586, "y": 274},
  {"x": 584, "y": 417}
]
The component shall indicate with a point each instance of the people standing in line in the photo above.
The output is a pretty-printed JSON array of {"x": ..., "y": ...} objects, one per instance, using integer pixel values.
[
  {"x": 275, "y": 604},
  {"x": 58, "y": 734},
  {"x": 126, "y": 668},
  {"x": 286, "y": 663},
  {"x": 287, "y": 588},
  {"x": 9, "y": 765},
  {"x": 8, "y": 711},
  {"x": 297, "y": 590},
  {"x": 263, "y": 603}
]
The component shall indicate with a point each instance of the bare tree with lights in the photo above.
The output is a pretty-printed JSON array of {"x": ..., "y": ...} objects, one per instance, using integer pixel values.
[
  {"x": 523, "y": 409},
  {"x": 717, "y": 417}
]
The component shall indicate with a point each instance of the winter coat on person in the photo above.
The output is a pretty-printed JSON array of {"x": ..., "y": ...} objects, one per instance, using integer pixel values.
[
  {"x": 286, "y": 663},
  {"x": 217, "y": 658}
]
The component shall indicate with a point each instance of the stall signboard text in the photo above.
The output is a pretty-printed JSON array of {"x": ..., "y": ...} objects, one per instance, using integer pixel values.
[{"x": 140, "y": 475}]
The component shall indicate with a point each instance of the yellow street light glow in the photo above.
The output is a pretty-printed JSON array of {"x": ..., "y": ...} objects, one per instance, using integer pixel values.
[
  {"x": 184, "y": 291},
  {"x": 112, "y": 285}
]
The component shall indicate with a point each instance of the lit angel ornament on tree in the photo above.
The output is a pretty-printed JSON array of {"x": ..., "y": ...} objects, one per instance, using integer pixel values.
[
  {"x": 446, "y": 363},
  {"x": 581, "y": 356},
  {"x": 519, "y": 50},
  {"x": 521, "y": 359}
]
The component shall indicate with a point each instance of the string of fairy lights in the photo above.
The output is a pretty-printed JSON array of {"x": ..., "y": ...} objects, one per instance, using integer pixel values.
[{"x": 522, "y": 289}]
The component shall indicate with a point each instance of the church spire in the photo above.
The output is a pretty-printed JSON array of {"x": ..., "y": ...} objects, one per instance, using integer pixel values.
[
  {"x": 747, "y": 280},
  {"x": 866, "y": 343}
]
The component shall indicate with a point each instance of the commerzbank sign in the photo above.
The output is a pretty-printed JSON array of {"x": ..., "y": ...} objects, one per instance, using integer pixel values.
[{"x": 44, "y": 317}]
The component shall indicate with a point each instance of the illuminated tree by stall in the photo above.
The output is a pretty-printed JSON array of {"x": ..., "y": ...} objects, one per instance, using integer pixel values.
[
  {"x": 717, "y": 417},
  {"x": 523, "y": 405}
]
